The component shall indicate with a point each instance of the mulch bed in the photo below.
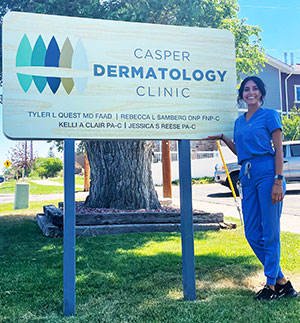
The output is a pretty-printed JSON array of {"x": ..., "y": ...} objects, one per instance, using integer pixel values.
[{"x": 82, "y": 209}]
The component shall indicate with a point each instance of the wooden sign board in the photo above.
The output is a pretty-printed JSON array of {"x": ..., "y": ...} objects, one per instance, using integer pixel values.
[{"x": 67, "y": 77}]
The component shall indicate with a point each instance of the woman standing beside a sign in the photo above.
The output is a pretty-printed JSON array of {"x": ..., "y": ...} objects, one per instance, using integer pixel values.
[{"x": 263, "y": 185}]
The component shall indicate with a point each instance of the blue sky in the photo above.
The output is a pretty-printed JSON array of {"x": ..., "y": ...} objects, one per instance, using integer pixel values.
[{"x": 279, "y": 21}]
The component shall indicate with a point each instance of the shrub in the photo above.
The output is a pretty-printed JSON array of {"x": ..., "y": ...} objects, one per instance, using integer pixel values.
[
  {"x": 197, "y": 180},
  {"x": 48, "y": 167}
]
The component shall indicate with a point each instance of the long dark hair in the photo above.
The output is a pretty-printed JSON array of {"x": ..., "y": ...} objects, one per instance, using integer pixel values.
[{"x": 260, "y": 84}]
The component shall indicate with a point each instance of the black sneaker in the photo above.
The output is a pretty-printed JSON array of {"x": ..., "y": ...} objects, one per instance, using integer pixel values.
[
  {"x": 286, "y": 290},
  {"x": 266, "y": 294}
]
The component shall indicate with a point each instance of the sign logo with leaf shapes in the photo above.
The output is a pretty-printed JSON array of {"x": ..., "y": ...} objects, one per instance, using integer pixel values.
[{"x": 59, "y": 66}]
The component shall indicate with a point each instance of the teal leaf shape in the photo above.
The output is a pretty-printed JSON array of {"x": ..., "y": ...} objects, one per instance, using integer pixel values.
[
  {"x": 38, "y": 59},
  {"x": 23, "y": 58}
]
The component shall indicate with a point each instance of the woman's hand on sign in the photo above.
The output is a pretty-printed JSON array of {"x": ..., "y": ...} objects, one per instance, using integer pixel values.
[{"x": 229, "y": 143}]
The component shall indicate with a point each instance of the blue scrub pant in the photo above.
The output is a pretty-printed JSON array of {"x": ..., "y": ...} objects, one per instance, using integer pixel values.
[{"x": 261, "y": 216}]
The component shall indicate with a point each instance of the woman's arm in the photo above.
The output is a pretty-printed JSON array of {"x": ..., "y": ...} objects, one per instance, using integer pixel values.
[
  {"x": 277, "y": 190},
  {"x": 229, "y": 143}
]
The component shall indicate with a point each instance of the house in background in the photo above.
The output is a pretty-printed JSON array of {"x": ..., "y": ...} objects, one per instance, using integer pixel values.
[
  {"x": 292, "y": 85},
  {"x": 283, "y": 93},
  {"x": 282, "y": 85}
]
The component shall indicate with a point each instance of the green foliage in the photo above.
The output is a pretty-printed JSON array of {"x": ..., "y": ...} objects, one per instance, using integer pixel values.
[
  {"x": 34, "y": 174},
  {"x": 196, "y": 13},
  {"x": 197, "y": 180},
  {"x": 48, "y": 167},
  {"x": 203, "y": 180},
  {"x": 291, "y": 125},
  {"x": 249, "y": 54},
  {"x": 199, "y": 13}
]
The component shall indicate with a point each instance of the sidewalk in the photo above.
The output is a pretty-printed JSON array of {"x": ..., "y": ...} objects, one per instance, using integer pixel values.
[
  {"x": 9, "y": 198},
  {"x": 289, "y": 223},
  {"x": 50, "y": 183},
  {"x": 290, "y": 218}
]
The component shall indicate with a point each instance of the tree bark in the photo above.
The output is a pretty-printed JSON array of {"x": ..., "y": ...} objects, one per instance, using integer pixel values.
[{"x": 120, "y": 175}]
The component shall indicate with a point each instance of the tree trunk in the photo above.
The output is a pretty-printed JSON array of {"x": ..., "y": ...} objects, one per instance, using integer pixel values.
[{"x": 120, "y": 175}]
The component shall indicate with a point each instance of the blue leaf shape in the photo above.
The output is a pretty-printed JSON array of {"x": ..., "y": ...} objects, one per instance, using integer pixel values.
[
  {"x": 23, "y": 58},
  {"x": 52, "y": 59},
  {"x": 38, "y": 59}
]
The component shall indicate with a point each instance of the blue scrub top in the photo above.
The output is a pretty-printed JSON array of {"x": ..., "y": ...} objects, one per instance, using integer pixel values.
[{"x": 253, "y": 137}]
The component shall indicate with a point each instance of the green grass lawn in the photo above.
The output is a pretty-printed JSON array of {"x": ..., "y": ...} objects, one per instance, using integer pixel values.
[
  {"x": 137, "y": 277},
  {"x": 34, "y": 208},
  {"x": 35, "y": 189},
  {"x": 79, "y": 180}
]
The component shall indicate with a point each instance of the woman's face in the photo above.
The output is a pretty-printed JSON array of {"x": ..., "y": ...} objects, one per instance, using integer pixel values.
[{"x": 251, "y": 93}]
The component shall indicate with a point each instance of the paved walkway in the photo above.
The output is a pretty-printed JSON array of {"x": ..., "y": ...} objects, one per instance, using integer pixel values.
[
  {"x": 289, "y": 222},
  {"x": 9, "y": 198},
  {"x": 205, "y": 199},
  {"x": 48, "y": 182}
]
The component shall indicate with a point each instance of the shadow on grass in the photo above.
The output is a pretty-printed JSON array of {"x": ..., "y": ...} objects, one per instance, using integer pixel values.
[{"x": 120, "y": 278}]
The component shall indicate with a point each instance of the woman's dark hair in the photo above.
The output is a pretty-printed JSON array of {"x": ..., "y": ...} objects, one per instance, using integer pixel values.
[{"x": 260, "y": 84}]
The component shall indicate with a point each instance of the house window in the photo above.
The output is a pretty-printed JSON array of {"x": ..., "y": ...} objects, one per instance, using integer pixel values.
[{"x": 297, "y": 93}]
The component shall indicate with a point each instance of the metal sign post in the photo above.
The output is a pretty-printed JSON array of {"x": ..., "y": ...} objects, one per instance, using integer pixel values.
[
  {"x": 186, "y": 213},
  {"x": 69, "y": 228}
]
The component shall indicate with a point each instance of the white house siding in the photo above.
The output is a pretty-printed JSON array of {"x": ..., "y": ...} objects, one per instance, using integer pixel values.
[{"x": 200, "y": 167}]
